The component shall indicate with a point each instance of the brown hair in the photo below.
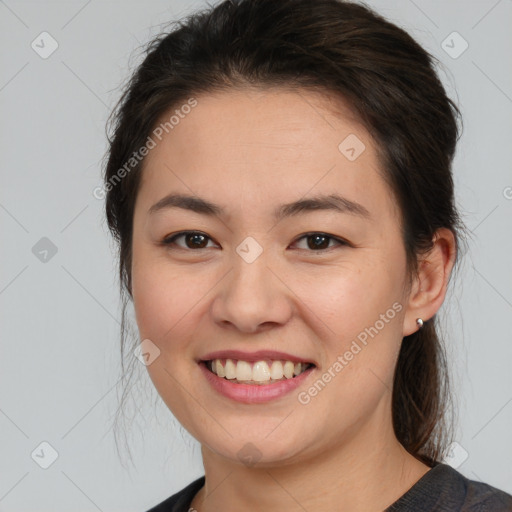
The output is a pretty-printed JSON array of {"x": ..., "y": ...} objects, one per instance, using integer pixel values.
[{"x": 338, "y": 48}]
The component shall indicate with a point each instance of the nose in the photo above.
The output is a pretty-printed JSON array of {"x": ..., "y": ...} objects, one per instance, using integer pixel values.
[{"x": 252, "y": 298}]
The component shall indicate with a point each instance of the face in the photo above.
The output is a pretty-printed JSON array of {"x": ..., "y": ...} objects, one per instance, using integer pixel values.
[{"x": 295, "y": 250}]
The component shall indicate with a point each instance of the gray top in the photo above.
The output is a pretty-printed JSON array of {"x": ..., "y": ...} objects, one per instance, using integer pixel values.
[{"x": 442, "y": 489}]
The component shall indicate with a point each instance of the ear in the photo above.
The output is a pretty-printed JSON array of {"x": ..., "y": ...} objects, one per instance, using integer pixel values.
[{"x": 429, "y": 286}]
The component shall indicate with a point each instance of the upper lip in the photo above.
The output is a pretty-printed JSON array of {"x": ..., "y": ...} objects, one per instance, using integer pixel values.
[{"x": 258, "y": 355}]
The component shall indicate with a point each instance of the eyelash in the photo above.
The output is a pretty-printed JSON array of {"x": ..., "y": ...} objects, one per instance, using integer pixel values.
[{"x": 170, "y": 240}]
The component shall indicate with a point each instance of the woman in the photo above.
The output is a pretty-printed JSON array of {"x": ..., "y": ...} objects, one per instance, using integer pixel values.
[{"x": 279, "y": 182}]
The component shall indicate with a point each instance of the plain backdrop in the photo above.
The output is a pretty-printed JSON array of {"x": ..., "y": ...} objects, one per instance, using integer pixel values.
[{"x": 60, "y": 363}]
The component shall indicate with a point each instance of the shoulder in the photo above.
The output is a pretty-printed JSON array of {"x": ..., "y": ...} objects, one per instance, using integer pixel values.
[
  {"x": 444, "y": 489},
  {"x": 180, "y": 502},
  {"x": 481, "y": 497}
]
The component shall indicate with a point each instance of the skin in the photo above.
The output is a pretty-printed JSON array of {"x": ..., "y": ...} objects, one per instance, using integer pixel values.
[{"x": 250, "y": 151}]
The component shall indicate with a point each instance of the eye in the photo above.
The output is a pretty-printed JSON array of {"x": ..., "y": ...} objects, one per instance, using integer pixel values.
[
  {"x": 315, "y": 242},
  {"x": 320, "y": 241},
  {"x": 193, "y": 240}
]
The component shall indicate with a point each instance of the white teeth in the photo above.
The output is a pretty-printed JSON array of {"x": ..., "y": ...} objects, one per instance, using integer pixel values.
[
  {"x": 259, "y": 372},
  {"x": 230, "y": 369},
  {"x": 288, "y": 369},
  {"x": 219, "y": 369},
  {"x": 243, "y": 371},
  {"x": 276, "y": 370}
]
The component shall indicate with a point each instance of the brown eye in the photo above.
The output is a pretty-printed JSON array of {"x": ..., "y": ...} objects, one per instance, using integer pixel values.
[
  {"x": 317, "y": 242},
  {"x": 193, "y": 240},
  {"x": 196, "y": 241}
]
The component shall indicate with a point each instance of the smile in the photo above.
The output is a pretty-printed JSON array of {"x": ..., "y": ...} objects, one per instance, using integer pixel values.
[
  {"x": 254, "y": 382},
  {"x": 258, "y": 372}
]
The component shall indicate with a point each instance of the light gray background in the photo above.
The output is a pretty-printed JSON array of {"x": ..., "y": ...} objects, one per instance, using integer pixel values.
[{"x": 59, "y": 363}]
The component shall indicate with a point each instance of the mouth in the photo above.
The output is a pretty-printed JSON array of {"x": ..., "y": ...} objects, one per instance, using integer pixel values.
[{"x": 258, "y": 373}]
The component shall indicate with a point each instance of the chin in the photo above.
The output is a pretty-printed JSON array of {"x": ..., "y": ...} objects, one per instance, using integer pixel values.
[{"x": 258, "y": 451}]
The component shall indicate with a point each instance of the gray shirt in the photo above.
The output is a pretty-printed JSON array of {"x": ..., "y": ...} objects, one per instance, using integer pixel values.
[{"x": 442, "y": 489}]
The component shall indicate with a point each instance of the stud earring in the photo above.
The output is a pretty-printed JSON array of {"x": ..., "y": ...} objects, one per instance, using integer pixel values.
[{"x": 419, "y": 323}]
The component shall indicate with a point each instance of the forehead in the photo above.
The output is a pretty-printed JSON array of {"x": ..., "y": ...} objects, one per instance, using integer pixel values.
[
  {"x": 276, "y": 119},
  {"x": 267, "y": 143}
]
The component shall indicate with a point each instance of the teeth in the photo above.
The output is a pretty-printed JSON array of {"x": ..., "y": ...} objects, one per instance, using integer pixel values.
[
  {"x": 262, "y": 372},
  {"x": 243, "y": 371},
  {"x": 276, "y": 370},
  {"x": 219, "y": 369},
  {"x": 230, "y": 368},
  {"x": 288, "y": 369}
]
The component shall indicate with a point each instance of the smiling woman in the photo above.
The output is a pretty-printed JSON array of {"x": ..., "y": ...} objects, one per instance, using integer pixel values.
[{"x": 287, "y": 244}]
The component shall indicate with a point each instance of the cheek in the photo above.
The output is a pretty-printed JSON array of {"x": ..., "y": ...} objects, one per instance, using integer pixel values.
[
  {"x": 350, "y": 297},
  {"x": 164, "y": 297},
  {"x": 359, "y": 310},
  {"x": 168, "y": 307}
]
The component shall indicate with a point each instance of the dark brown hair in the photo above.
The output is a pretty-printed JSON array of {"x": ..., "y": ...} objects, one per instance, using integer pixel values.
[{"x": 335, "y": 48}]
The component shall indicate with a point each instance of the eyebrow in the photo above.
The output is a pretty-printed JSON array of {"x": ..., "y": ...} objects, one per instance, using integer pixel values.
[{"x": 321, "y": 202}]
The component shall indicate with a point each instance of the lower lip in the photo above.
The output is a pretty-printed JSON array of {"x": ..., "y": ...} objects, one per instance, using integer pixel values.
[{"x": 253, "y": 393}]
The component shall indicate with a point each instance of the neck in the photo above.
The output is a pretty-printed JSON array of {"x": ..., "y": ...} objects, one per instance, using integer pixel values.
[{"x": 369, "y": 472}]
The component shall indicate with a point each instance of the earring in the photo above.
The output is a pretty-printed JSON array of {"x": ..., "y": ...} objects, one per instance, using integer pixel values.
[{"x": 419, "y": 323}]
